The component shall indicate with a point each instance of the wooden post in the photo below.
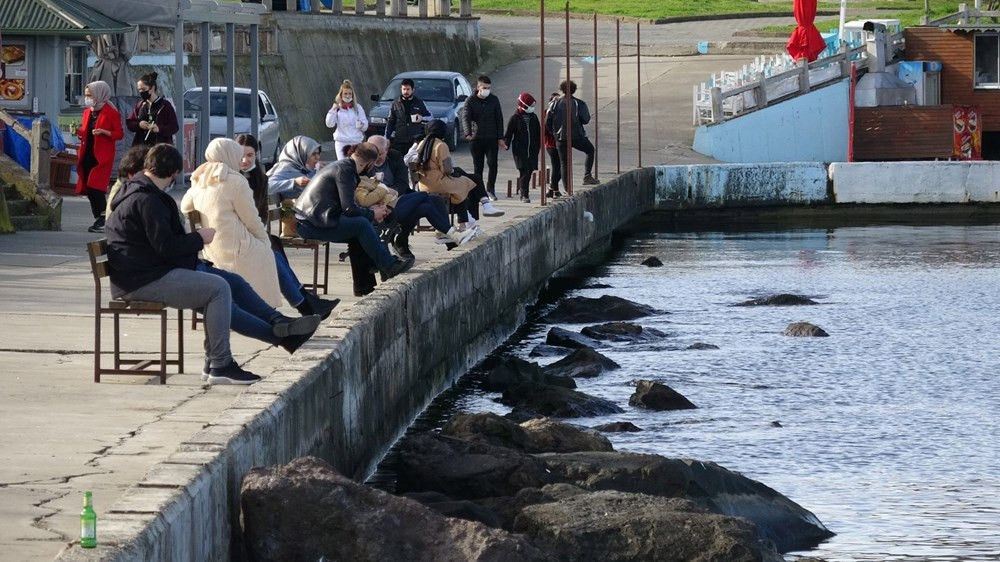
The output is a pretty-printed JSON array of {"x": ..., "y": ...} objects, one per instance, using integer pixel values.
[
  {"x": 761, "y": 94},
  {"x": 465, "y": 8},
  {"x": 338, "y": 7},
  {"x": 510, "y": 189},
  {"x": 422, "y": 8},
  {"x": 41, "y": 152},
  {"x": 379, "y": 7},
  {"x": 717, "y": 116},
  {"x": 804, "y": 77},
  {"x": 444, "y": 8},
  {"x": 396, "y": 8},
  {"x": 314, "y": 6},
  {"x": 964, "y": 10},
  {"x": 359, "y": 7}
]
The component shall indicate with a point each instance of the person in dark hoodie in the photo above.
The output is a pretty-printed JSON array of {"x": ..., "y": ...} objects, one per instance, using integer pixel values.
[
  {"x": 555, "y": 123},
  {"x": 522, "y": 136},
  {"x": 482, "y": 121},
  {"x": 153, "y": 119},
  {"x": 406, "y": 118},
  {"x": 153, "y": 259}
]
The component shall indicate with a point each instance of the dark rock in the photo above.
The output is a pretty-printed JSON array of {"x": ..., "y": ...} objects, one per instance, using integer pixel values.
[
  {"x": 459, "y": 509},
  {"x": 652, "y": 261},
  {"x": 513, "y": 371},
  {"x": 783, "y": 299},
  {"x": 521, "y": 416},
  {"x": 465, "y": 470},
  {"x": 307, "y": 511},
  {"x": 533, "y": 436},
  {"x": 709, "y": 485},
  {"x": 555, "y": 401},
  {"x": 583, "y": 362},
  {"x": 566, "y": 338},
  {"x": 701, "y": 345},
  {"x": 596, "y": 286},
  {"x": 604, "y": 309},
  {"x": 616, "y": 526},
  {"x": 657, "y": 396},
  {"x": 622, "y": 331},
  {"x": 805, "y": 330},
  {"x": 508, "y": 507},
  {"x": 618, "y": 427},
  {"x": 545, "y": 350},
  {"x": 776, "y": 424}
]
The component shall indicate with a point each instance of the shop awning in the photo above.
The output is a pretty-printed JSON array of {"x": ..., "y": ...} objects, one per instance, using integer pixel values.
[{"x": 65, "y": 18}]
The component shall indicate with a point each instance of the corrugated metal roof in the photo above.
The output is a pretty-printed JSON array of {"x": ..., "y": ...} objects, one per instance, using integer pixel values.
[{"x": 55, "y": 17}]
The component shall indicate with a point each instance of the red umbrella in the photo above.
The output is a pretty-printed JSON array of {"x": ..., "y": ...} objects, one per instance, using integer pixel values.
[{"x": 805, "y": 42}]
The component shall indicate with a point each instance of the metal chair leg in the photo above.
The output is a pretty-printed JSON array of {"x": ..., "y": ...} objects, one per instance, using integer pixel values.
[
  {"x": 180, "y": 340},
  {"x": 163, "y": 346}
]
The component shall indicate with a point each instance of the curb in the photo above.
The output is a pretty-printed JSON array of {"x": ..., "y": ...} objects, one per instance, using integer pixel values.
[{"x": 647, "y": 21}]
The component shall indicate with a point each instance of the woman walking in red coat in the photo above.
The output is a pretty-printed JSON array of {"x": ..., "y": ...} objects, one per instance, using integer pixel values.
[{"x": 99, "y": 133}]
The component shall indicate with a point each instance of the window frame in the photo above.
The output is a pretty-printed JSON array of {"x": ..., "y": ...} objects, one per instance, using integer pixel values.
[
  {"x": 975, "y": 80},
  {"x": 77, "y": 52}
]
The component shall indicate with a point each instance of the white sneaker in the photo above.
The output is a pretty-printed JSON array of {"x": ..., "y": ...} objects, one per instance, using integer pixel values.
[
  {"x": 490, "y": 211},
  {"x": 443, "y": 238},
  {"x": 459, "y": 237}
]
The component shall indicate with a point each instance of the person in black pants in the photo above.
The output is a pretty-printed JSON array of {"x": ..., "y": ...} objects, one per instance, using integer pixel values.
[
  {"x": 555, "y": 123},
  {"x": 406, "y": 118},
  {"x": 522, "y": 136},
  {"x": 482, "y": 121}
]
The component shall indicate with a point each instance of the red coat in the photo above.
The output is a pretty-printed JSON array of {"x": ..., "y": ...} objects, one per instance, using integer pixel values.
[{"x": 104, "y": 148}]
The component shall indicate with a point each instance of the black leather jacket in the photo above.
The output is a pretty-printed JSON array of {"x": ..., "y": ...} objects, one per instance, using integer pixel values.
[{"x": 330, "y": 194}]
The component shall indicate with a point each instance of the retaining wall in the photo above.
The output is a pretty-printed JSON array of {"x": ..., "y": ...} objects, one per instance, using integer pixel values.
[
  {"x": 352, "y": 390},
  {"x": 740, "y": 185},
  {"x": 916, "y": 182}
]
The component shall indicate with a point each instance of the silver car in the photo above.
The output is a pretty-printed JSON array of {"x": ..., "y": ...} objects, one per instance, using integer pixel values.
[{"x": 268, "y": 135}]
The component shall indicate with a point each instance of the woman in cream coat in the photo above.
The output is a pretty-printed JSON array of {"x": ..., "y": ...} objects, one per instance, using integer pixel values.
[{"x": 220, "y": 193}]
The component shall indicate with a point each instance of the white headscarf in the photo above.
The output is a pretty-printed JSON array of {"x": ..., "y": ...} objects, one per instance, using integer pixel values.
[
  {"x": 101, "y": 93},
  {"x": 222, "y": 157}
]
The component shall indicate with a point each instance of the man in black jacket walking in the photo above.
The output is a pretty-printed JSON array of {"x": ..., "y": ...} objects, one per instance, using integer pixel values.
[
  {"x": 555, "y": 124},
  {"x": 406, "y": 118},
  {"x": 482, "y": 121}
]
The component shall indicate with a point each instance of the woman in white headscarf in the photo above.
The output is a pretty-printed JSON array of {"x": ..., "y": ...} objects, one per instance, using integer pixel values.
[
  {"x": 222, "y": 197},
  {"x": 99, "y": 132}
]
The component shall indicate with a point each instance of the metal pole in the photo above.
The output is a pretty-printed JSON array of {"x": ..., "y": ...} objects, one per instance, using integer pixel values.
[
  {"x": 179, "y": 83},
  {"x": 230, "y": 80},
  {"x": 597, "y": 105},
  {"x": 206, "y": 83},
  {"x": 618, "y": 92},
  {"x": 542, "y": 99},
  {"x": 255, "y": 80},
  {"x": 568, "y": 126},
  {"x": 850, "y": 116},
  {"x": 638, "y": 67}
]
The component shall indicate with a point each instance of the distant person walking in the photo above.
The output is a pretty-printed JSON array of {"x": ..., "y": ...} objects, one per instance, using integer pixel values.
[
  {"x": 347, "y": 119},
  {"x": 555, "y": 122},
  {"x": 522, "y": 138},
  {"x": 153, "y": 119},
  {"x": 99, "y": 133},
  {"x": 555, "y": 167},
  {"x": 482, "y": 122},
  {"x": 405, "y": 124}
]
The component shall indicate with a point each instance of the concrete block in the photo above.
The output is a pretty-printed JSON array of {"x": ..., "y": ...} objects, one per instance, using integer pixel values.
[{"x": 915, "y": 182}]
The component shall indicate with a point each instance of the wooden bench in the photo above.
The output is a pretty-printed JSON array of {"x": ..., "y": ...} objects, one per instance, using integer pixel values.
[
  {"x": 98, "y": 252},
  {"x": 292, "y": 240}
]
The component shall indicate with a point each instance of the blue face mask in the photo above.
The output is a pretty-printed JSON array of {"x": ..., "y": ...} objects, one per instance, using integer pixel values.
[{"x": 530, "y": 109}]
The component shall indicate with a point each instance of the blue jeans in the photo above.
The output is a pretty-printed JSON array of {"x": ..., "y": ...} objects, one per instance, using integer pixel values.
[
  {"x": 251, "y": 316},
  {"x": 290, "y": 286},
  {"x": 351, "y": 228},
  {"x": 412, "y": 207}
]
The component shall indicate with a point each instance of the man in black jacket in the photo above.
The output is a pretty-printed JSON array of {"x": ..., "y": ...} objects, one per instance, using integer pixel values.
[
  {"x": 482, "y": 121},
  {"x": 394, "y": 172},
  {"x": 555, "y": 124},
  {"x": 153, "y": 259},
  {"x": 406, "y": 118}
]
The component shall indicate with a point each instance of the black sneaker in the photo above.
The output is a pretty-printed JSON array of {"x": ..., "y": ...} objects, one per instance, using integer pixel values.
[
  {"x": 401, "y": 245},
  {"x": 98, "y": 226},
  {"x": 285, "y": 326},
  {"x": 315, "y": 305},
  {"x": 401, "y": 265},
  {"x": 363, "y": 292},
  {"x": 590, "y": 180},
  {"x": 525, "y": 199},
  {"x": 292, "y": 343},
  {"x": 231, "y": 374}
]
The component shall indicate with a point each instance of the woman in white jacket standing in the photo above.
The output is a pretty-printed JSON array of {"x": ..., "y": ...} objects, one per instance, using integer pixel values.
[
  {"x": 347, "y": 119},
  {"x": 221, "y": 195}
]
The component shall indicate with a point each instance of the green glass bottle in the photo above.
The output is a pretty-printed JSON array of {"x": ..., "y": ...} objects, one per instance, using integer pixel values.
[{"x": 88, "y": 523}]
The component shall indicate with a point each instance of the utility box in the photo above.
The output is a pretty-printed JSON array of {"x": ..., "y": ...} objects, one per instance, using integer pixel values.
[{"x": 925, "y": 76}]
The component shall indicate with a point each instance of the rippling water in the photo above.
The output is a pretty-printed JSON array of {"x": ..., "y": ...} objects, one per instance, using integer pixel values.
[{"x": 889, "y": 428}]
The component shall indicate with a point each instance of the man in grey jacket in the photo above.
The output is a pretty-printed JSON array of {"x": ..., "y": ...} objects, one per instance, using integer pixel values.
[
  {"x": 555, "y": 124},
  {"x": 482, "y": 121}
]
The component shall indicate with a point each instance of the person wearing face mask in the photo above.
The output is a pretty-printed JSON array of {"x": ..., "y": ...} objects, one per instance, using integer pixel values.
[
  {"x": 522, "y": 136},
  {"x": 406, "y": 118},
  {"x": 296, "y": 165},
  {"x": 153, "y": 119},
  {"x": 347, "y": 119},
  {"x": 327, "y": 210},
  {"x": 100, "y": 131},
  {"x": 482, "y": 122}
]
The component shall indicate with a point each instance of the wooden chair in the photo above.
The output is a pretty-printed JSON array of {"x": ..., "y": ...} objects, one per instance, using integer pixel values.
[
  {"x": 98, "y": 251},
  {"x": 292, "y": 240},
  {"x": 194, "y": 221}
]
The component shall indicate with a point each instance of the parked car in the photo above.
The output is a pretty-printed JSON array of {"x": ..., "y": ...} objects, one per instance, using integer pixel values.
[
  {"x": 269, "y": 127},
  {"x": 443, "y": 92}
]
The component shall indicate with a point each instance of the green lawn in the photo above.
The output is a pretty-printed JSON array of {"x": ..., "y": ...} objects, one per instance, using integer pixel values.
[
  {"x": 906, "y": 18},
  {"x": 672, "y": 8}
]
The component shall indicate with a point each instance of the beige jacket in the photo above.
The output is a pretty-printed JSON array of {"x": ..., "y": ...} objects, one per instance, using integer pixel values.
[
  {"x": 370, "y": 192},
  {"x": 435, "y": 179},
  {"x": 241, "y": 245}
]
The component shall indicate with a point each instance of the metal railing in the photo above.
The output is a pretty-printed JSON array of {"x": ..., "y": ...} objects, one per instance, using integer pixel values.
[{"x": 396, "y": 8}]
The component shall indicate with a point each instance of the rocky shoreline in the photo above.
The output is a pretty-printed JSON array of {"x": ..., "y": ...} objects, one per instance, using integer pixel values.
[{"x": 528, "y": 487}]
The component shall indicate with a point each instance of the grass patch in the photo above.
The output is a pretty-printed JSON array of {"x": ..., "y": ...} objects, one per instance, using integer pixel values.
[
  {"x": 675, "y": 8},
  {"x": 908, "y": 18}
]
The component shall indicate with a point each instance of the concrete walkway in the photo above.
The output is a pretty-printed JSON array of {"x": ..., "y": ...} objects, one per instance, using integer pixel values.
[{"x": 63, "y": 434}]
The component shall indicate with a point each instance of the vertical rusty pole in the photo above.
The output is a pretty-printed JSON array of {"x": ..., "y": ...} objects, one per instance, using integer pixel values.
[
  {"x": 597, "y": 105},
  {"x": 542, "y": 97},
  {"x": 638, "y": 68},
  {"x": 568, "y": 126},
  {"x": 618, "y": 92}
]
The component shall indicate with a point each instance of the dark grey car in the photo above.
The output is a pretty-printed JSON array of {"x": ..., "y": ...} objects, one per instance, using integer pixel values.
[{"x": 443, "y": 92}]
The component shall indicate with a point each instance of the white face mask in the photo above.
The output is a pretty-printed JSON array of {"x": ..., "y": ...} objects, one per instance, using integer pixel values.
[
  {"x": 250, "y": 169},
  {"x": 348, "y": 99},
  {"x": 484, "y": 93},
  {"x": 529, "y": 109},
  {"x": 88, "y": 101}
]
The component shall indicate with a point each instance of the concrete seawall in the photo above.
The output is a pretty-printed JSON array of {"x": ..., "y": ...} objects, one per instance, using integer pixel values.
[{"x": 355, "y": 387}]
